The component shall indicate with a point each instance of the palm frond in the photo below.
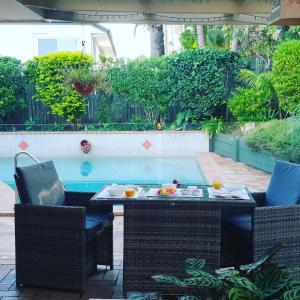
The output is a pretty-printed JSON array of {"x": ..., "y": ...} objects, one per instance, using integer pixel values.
[{"x": 248, "y": 77}]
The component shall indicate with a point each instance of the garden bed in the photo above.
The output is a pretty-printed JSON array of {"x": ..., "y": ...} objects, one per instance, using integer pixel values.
[{"x": 236, "y": 149}]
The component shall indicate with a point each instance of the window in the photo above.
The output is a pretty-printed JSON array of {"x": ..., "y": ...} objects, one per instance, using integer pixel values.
[{"x": 56, "y": 45}]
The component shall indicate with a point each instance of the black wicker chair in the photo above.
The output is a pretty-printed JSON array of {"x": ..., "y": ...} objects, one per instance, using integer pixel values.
[
  {"x": 276, "y": 219},
  {"x": 59, "y": 238}
]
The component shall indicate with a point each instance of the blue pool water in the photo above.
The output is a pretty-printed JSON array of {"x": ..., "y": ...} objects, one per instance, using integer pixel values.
[{"x": 91, "y": 174}]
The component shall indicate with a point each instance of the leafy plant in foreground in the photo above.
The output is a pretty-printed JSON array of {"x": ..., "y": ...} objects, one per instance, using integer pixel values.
[{"x": 261, "y": 280}]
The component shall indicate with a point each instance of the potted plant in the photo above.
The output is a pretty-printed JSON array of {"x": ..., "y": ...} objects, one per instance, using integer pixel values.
[{"x": 86, "y": 80}]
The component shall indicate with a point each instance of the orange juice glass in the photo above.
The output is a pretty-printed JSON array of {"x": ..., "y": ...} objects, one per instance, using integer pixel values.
[
  {"x": 217, "y": 183},
  {"x": 129, "y": 193}
]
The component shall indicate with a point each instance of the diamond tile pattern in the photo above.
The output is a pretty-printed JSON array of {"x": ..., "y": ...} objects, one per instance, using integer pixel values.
[
  {"x": 147, "y": 144},
  {"x": 23, "y": 145}
]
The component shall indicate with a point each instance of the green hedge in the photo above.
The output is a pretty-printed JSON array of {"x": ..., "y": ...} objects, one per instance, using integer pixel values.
[
  {"x": 196, "y": 81},
  {"x": 47, "y": 74},
  {"x": 251, "y": 105},
  {"x": 12, "y": 86},
  {"x": 280, "y": 137},
  {"x": 286, "y": 75}
]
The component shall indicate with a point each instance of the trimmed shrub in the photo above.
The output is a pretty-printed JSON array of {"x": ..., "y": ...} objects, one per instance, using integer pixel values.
[
  {"x": 196, "y": 81},
  {"x": 47, "y": 73},
  {"x": 12, "y": 86},
  {"x": 251, "y": 105},
  {"x": 200, "y": 81},
  {"x": 280, "y": 137},
  {"x": 143, "y": 82},
  {"x": 286, "y": 75}
]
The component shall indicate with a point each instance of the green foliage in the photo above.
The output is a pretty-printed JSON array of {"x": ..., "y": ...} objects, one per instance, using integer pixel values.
[
  {"x": 88, "y": 75},
  {"x": 214, "y": 126},
  {"x": 196, "y": 81},
  {"x": 181, "y": 121},
  {"x": 12, "y": 86},
  {"x": 143, "y": 82},
  {"x": 286, "y": 75},
  {"x": 47, "y": 74},
  {"x": 188, "y": 38},
  {"x": 199, "y": 81},
  {"x": 261, "y": 280},
  {"x": 280, "y": 137},
  {"x": 251, "y": 105}
]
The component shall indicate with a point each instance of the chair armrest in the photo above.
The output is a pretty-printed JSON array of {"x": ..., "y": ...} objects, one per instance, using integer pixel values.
[
  {"x": 260, "y": 198},
  {"x": 56, "y": 221},
  {"x": 83, "y": 199}
]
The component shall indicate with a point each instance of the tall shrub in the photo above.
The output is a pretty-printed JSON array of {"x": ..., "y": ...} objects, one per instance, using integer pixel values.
[
  {"x": 195, "y": 81},
  {"x": 12, "y": 86},
  {"x": 200, "y": 81},
  {"x": 286, "y": 75},
  {"x": 47, "y": 74},
  {"x": 143, "y": 82}
]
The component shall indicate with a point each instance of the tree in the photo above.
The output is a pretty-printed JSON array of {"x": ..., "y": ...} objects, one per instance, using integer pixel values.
[
  {"x": 12, "y": 86},
  {"x": 200, "y": 34},
  {"x": 157, "y": 43}
]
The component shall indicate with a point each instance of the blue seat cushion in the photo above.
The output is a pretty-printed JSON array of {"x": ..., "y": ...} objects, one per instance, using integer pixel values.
[
  {"x": 240, "y": 220},
  {"x": 284, "y": 187},
  {"x": 96, "y": 222},
  {"x": 39, "y": 185}
]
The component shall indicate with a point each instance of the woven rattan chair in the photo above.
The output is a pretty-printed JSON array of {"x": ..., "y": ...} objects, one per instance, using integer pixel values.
[
  {"x": 59, "y": 238},
  {"x": 276, "y": 219}
]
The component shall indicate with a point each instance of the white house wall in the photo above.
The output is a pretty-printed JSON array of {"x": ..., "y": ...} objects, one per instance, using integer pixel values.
[{"x": 20, "y": 40}]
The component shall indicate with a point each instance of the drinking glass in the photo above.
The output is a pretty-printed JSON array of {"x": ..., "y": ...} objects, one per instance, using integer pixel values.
[{"x": 217, "y": 183}]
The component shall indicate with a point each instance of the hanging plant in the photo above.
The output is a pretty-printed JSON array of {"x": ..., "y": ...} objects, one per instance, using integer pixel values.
[{"x": 87, "y": 80}]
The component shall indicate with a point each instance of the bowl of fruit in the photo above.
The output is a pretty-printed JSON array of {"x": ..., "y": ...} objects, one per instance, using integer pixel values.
[{"x": 167, "y": 190}]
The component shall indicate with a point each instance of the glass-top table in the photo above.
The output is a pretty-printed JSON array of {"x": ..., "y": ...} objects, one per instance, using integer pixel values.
[{"x": 161, "y": 232}]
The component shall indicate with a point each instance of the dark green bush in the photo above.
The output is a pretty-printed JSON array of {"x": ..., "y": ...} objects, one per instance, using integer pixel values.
[
  {"x": 286, "y": 75},
  {"x": 251, "y": 105},
  {"x": 200, "y": 81},
  {"x": 47, "y": 74},
  {"x": 12, "y": 86},
  {"x": 196, "y": 81},
  {"x": 280, "y": 137}
]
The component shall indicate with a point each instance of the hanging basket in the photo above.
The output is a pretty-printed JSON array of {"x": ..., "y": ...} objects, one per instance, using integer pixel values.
[
  {"x": 84, "y": 89},
  {"x": 85, "y": 146}
]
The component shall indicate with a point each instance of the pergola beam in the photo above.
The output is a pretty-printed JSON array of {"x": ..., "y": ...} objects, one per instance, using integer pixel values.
[
  {"x": 146, "y": 18},
  {"x": 230, "y": 7}
]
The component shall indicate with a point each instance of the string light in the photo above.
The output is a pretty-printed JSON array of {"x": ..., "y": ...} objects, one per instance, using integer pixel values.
[{"x": 158, "y": 17}]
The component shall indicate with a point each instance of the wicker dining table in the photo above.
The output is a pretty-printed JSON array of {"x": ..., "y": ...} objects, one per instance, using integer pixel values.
[{"x": 161, "y": 232}]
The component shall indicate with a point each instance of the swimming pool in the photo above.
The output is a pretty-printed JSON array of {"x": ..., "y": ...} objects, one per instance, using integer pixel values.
[{"x": 91, "y": 174}]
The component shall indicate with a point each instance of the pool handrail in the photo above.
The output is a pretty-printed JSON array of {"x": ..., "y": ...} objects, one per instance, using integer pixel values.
[{"x": 25, "y": 153}]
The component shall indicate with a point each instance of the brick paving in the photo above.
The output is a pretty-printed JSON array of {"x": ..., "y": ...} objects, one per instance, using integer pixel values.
[
  {"x": 231, "y": 172},
  {"x": 105, "y": 284}
]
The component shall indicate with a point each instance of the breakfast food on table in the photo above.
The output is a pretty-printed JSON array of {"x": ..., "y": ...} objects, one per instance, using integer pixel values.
[{"x": 166, "y": 191}]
